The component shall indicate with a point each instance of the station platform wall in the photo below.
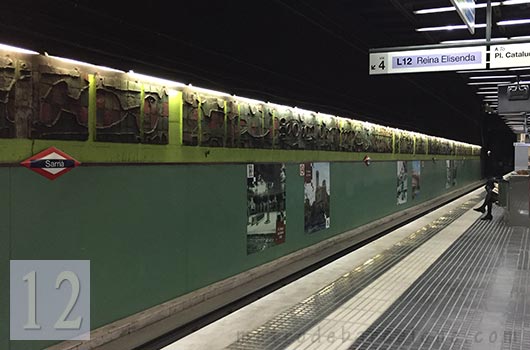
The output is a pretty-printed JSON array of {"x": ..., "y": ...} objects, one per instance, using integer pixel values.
[{"x": 156, "y": 232}]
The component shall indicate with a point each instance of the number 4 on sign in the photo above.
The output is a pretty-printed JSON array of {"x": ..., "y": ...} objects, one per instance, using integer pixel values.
[
  {"x": 378, "y": 63},
  {"x": 381, "y": 66}
]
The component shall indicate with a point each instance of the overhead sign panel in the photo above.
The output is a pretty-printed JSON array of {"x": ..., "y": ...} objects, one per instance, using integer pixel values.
[
  {"x": 514, "y": 99},
  {"x": 511, "y": 55},
  {"x": 433, "y": 60},
  {"x": 466, "y": 10}
]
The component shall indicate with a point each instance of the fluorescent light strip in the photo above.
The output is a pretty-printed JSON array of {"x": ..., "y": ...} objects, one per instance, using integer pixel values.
[
  {"x": 515, "y": 2},
  {"x": 490, "y": 83},
  {"x": 76, "y": 62},
  {"x": 491, "y": 70},
  {"x": 519, "y": 37},
  {"x": 493, "y": 77},
  {"x": 17, "y": 49},
  {"x": 451, "y": 8},
  {"x": 452, "y": 27},
  {"x": 489, "y": 88},
  {"x": 165, "y": 82},
  {"x": 484, "y": 92},
  {"x": 481, "y": 71},
  {"x": 514, "y": 22},
  {"x": 471, "y": 40},
  {"x": 477, "y": 6}
]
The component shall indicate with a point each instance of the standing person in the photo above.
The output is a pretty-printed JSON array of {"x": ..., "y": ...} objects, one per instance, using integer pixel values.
[{"x": 492, "y": 196}]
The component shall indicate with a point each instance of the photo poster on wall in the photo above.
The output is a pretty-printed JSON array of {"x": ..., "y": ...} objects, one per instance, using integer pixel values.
[
  {"x": 402, "y": 182},
  {"x": 415, "y": 178},
  {"x": 316, "y": 197},
  {"x": 450, "y": 173},
  {"x": 266, "y": 209}
]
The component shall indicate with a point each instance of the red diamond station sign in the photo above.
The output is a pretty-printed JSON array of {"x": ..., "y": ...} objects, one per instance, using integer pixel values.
[{"x": 51, "y": 163}]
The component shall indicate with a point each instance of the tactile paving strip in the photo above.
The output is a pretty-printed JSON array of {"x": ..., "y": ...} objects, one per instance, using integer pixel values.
[
  {"x": 459, "y": 301},
  {"x": 285, "y": 328},
  {"x": 516, "y": 334}
]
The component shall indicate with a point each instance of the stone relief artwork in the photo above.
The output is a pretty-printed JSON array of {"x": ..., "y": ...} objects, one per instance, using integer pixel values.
[
  {"x": 421, "y": 145},
  {"x": 212, "y": 121},
  {"x": 155, "y": 115},
  {"x": 190, "y": 118},
  {"x": 252, "y": 132},
  {"x": 310, "y": 131},
  {"x": 62, "y": 100},
  {"x": 118, "y": 103},
  {"x": 269, "y": 113},
  {"x": 462, "y": 150},
  {"x": 406, "y": 143},
  {"x": 289, "y": 129},
  {"x": 330, "y": 133},
  {"x": 347, "y": 136},
  {"x": 46, "y": 98},
  {"x": 16, "y": 96},
  {"x": 382, "y": 139},
  {"x": 362, "y": 141},
  {"x": 439, "y": 146},
  {"x": 232, "y": 123}
]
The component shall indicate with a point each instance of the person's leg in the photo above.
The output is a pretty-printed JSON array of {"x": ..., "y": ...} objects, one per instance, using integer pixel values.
[
  {"x": 482, "y": 208},
  {"x": 489, "y": 205}
]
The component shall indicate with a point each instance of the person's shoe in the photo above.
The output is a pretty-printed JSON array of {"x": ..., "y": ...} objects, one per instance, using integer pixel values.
[
  {"x": 479, "y": 209},
  {"x": 487, "y": 217}
]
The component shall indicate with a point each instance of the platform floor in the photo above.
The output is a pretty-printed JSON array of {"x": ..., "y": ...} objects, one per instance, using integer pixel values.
[{"x": 445, "y": 281}]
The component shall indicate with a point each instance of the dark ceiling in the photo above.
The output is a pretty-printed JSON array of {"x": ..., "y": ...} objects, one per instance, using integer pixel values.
[{"x": 308, "y": 53}]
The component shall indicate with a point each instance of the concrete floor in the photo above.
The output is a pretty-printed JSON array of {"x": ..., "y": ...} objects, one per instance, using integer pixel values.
[{"x": 344, "y": 326}]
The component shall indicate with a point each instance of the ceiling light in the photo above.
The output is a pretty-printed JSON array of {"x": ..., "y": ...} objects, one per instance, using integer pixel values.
[
  {"x": 477, "y": 6},
  {"x": 453, "y": 27},
  {"x": 494, "y": 77},
  {"x": 471, "y": 41},
  {"x": 81, "y": 63},
  {"x": 484, "y": 5},
  {"x": 485, "y": 92},
  {"x": 489, "y": 83},
  {"x": 488, "y": 88},
  {"x": 154, "y": 80},
  {"x": 514, "y": 22},
  {"x": 452, "y": 8},
  {"x": 17, "y": 49},
  {"x": 434, "y": 10},
  {"x": 481, "y": 71},
  {"x": 515, "y": 2}
]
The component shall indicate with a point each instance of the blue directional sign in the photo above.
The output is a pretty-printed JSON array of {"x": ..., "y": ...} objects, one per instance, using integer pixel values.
[{"x": 430, "y": 60}]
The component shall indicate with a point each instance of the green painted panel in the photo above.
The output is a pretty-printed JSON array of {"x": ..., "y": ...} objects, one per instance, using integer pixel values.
[
  {"x": 153, "y": 233},
  {"x": 13, "y": 151},
  {"x": 5, "y": 232},
  {"x": 215, "y": 217}
]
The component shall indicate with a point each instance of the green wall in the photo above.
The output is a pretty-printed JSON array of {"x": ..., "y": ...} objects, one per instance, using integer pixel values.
[
  {"x": 153, "y": 233},
  {"x": 5, "y": 234}
]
